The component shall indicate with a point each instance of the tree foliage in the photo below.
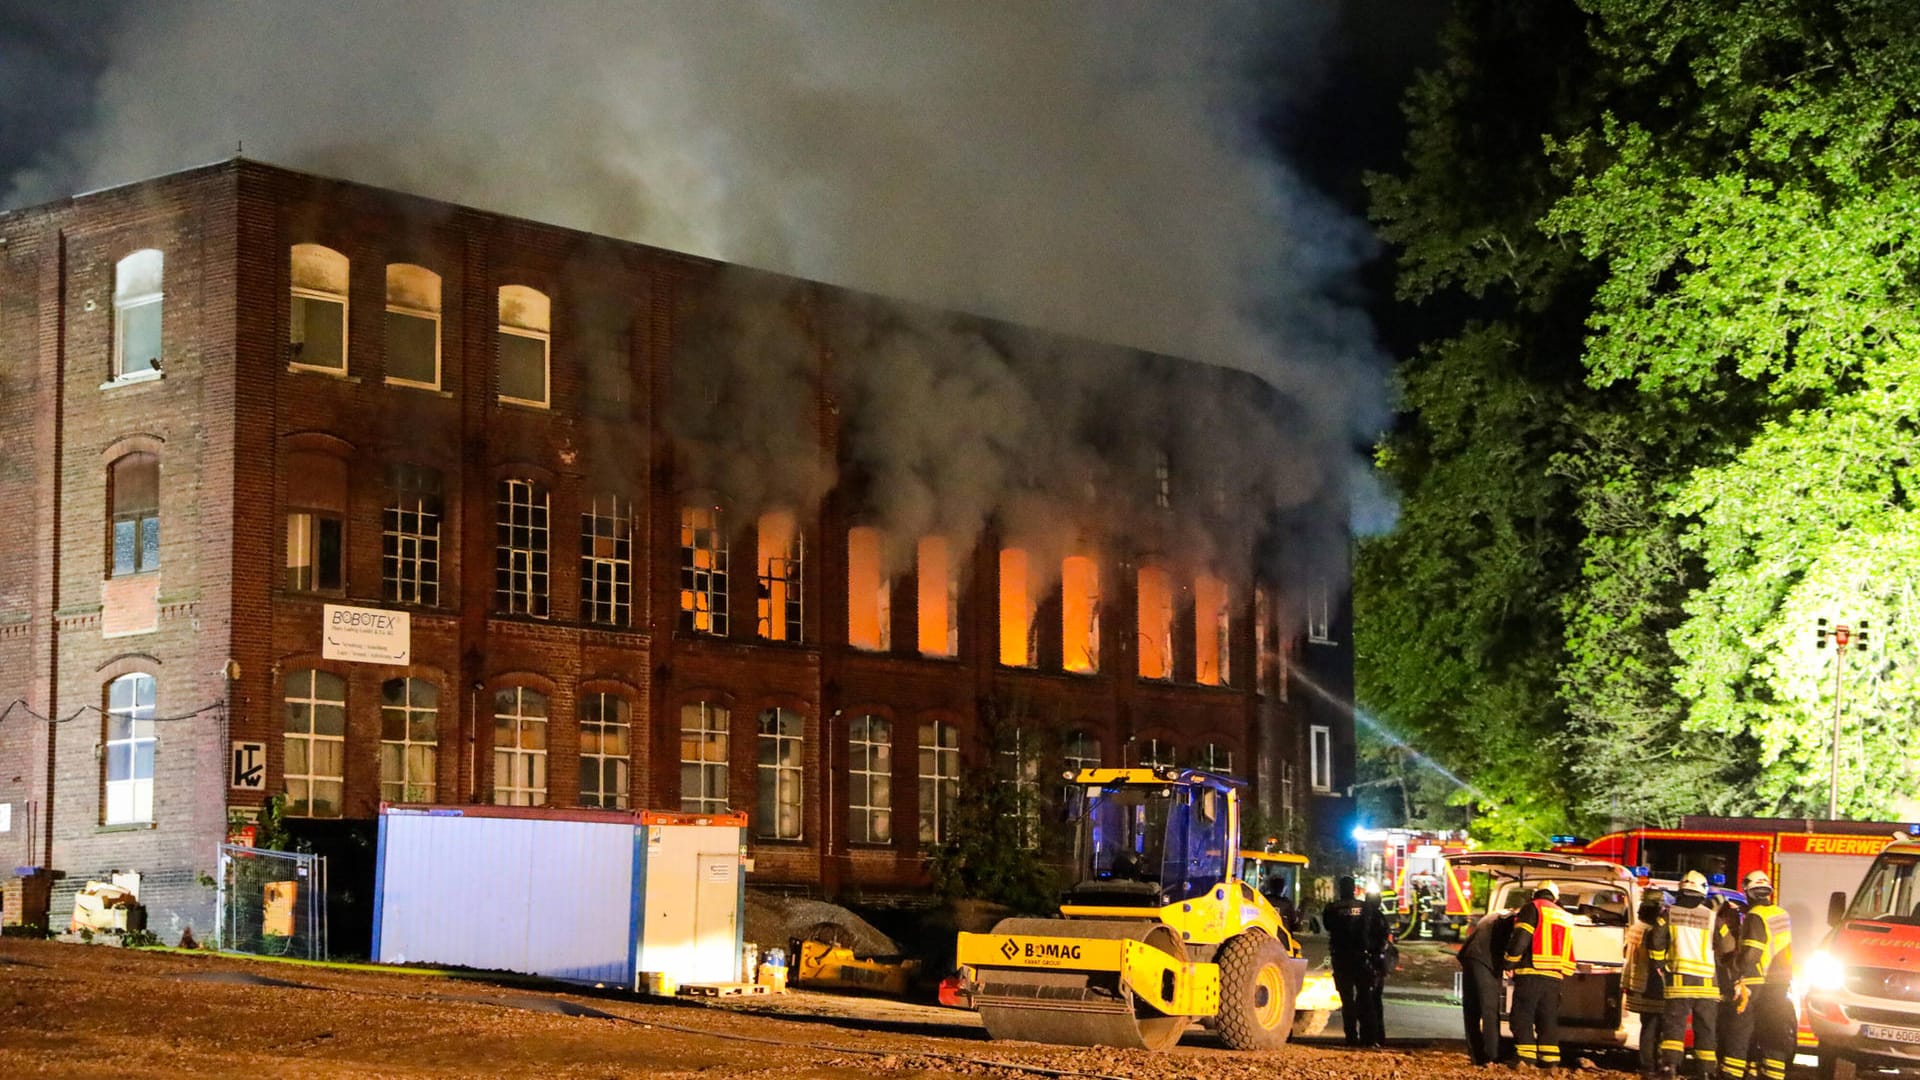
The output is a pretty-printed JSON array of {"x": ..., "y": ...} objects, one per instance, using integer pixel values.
[{"x": 1666, "y": 416}]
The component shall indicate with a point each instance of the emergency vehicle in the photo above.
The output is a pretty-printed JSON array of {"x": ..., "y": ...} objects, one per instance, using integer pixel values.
[
  {"x": 1861, "y": 988},
  {"x": 1405, "y": 864}
]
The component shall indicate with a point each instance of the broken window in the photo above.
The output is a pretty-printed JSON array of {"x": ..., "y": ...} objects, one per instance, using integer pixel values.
[
  {"x": 317, "y": 329},
  {"x": 410, "y": 536},
  {"x": 1162, "y": 481},
  {"x": 870, "y": 780},
  {"x": 606, "y": 366},
  {"x": 135, "y": 529},
  {"x": 520, "y": 548},
  {"x": 1155, "y": 617},
  {"x": 1017, "y": 628},
  {"x": 315, "y": 733},
  {"x": 1265, "y": 663},
  {"x": 519, "y": 747},
  {"x": 525, "y": 341},
  {"x": 939, "y": 780},
  {"x": 1212, "y": 622},
  {"x": 1320, "y": 757},
  {"x": 606, "y": 720},
  {"x": 316, "y": 517},
  {"x": 703, "y": 571},
  {"x": 780, "y": 773},
  {"x": 1080, "y": 614},
  {"x": 409, "y": 741},
  {"x": 128, "y": 748},
  {"x": 1320, "y": 617},
  {"x": 782, "y": 577},
  {"x": 869, "y": 592},
  {"x": 136, "y": 313},
  {"x": 703, "y": 758},
  {"x": 606, "y": 561},
  {"x": 938, "y": 595},
  {"x": 413, "y": 326}
]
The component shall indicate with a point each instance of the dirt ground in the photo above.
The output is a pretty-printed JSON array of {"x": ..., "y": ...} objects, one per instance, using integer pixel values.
[{"x": 86, "y": 1011}]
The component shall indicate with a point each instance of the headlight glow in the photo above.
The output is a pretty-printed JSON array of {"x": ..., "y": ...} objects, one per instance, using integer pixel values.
[{"x": 1824, "y": 971}]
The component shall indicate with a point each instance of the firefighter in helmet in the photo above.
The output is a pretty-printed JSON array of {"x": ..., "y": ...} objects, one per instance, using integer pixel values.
[
  {"x": 1765, "y": 969},
  {"x": 1646, "y": 994},
  {"x": 1683, "y": 951},
  {"x": 1540, "y": 955}
]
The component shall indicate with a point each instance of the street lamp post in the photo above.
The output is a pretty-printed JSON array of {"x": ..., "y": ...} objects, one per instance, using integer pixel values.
[{"x": 1843, "y": 635}]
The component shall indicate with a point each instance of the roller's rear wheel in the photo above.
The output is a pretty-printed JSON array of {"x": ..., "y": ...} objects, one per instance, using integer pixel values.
[{"x": 1256, "y": 1000}]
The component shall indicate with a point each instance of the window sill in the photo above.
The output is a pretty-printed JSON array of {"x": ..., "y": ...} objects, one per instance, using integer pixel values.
[
  {"x": 783, "y": 843},
  {"x": 522, "y": 403},
  {"x": 424, "y": 388},
  {"x": 1311, "y": 640},
  {"x": 138, "y": 378},
  {"x": 125, "y": 827},
  {"x": 330, "y": 373}
]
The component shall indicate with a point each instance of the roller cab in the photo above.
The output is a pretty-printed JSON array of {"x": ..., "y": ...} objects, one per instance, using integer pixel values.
[{"x": 1158, "y": 930}]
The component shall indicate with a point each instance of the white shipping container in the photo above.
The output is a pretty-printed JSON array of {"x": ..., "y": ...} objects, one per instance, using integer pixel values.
[{"x": 584, "y": 895}]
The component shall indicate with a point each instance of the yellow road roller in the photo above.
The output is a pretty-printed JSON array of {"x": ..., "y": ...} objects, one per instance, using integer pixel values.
[{"x": 1157, "y": 931}]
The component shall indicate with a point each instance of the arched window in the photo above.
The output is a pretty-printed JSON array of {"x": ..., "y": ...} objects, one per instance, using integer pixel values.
[
  {"x": 1212, "y": 626},
  {"x": 1156, "y": 623},
  {"x": 1017, "y": 646},
  {"x": 870, "y": 780},
  {"x": 317, "y": 329},
  {"x": 606, "y": 561},
  {"x": 526, "y": 333},
  {"x": 137, "y": 302},
  {"x": 703, "y": 757},
  {"x": 606, "y": 721},
  {"x": 128, "y": 748},
  {"x": 413, "y": 325},
  {"x": 1157, "y": 753},
  {"x": 316, "y": 743},
  {"x": 1080, "y": 614},
  {"x": 938, "y": 596},
  {"x": 520, "y": 548},
  {"x": 703, "y": 571},
  {"x": 782, "y": 565},
  {"x": 1216, "y": 758},
  {"x": 316, "y": 522},
  {"x": 780, "y": 775},
  {"x": 1081, "y": 750},
  {"x": 134, "y": 481},
  {"x": 939, "y": 780},
  {"x": 410, "y": 536},
  {"x": 409, "y": 740},
  {"x": 869, "y": 592},
  {"x": 519, "y": 747}
]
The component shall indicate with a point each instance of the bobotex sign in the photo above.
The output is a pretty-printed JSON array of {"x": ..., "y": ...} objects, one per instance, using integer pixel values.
[{"x": 366, "y": 635}]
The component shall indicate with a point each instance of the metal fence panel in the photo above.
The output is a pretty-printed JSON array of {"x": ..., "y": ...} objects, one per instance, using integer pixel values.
[{"x": 272, "y": 903}]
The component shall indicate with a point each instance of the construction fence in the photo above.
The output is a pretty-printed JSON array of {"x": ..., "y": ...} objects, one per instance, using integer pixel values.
[{"x": 272, "y": 903}]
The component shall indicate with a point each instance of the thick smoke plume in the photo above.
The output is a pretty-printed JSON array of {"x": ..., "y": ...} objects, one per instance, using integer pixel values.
[{"x": 1093, "y": 169}]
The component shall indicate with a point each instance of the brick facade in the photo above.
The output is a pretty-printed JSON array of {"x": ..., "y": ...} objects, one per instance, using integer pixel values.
[{"x": 229, "y": 417}]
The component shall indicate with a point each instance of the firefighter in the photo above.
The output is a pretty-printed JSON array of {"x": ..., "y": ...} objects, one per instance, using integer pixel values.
[
  {"x": 1355, "y": 932},
  {"x": 1480, "y": 991},
  {"x": 1641, "y": 982},
  {"x": 1683, "y": 951},
  {"x": 1734, "y": 1029},
  {"x": 1765, "y": 972},
  {"x": 1540, "y": 955}
]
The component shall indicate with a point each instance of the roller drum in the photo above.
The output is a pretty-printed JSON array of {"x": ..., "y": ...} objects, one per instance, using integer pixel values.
[{"x": 1077, "y": 1008}]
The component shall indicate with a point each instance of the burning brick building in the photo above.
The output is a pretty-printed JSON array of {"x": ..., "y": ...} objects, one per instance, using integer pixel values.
[{"x": 323, "y": 489}]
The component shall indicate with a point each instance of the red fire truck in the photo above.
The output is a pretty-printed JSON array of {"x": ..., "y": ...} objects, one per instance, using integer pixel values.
[{"x": 1419, "y": 891}]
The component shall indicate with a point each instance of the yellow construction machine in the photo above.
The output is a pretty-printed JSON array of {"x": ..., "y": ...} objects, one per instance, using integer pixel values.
[{"x": 1158, "y": 931}]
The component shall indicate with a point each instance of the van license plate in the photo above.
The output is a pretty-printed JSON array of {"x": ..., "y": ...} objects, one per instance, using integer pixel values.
[{"x": 1890, "y": 1034}]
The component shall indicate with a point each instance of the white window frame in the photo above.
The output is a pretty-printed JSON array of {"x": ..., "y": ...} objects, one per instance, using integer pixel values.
[
  {"x": 1220, "y": 623},
  {"x": 124, "y": 302},
  {"x": 939, "y": 789},
  {"x": 129, "y": 801},
  {"x": 790, "y": 575},
  {"x": 432, "y": 315},
  {"x": 406, "y": 787},
  {"x": 1216, "y": 758},
  {"x": 870, "y": 768},
  {"x": 528, "y": 567},
  {"x": 1022, "y": 771},
  {"x": 1320, "y": 618},
  {"x": 410, "y": 574},
  {"x": 544, "y": 337},
  {"x": 702, "y": 529},
  {"x": 303, "y": 551},
  {"x": 1320, "y": 757},
  {"x": 144, "y": 519},
  {"x": 520, "y": 766},
  {"x": 780, "y": 775},
  {"x": 312, "y": 740},
  {"x": 1155, "y": 753},
  {"x": 606, "y": 717},
  {"x": 609, "y": 518},
  {"x": 346, "y": 321},
  {"x": 710, "y": 741}
]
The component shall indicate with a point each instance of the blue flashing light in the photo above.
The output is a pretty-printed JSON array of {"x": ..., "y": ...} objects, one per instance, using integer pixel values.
[
  {"x": 1718, "y": 879},
  {"x": 1913, "y": 830},
  {"x": 1562, "y": 839},
  {"x": 1359, "y": 833},
  {"x": 1643, "y": 871}
]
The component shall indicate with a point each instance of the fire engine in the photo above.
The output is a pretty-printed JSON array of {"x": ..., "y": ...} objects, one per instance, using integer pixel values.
[{"x": 1409, "y": 866}]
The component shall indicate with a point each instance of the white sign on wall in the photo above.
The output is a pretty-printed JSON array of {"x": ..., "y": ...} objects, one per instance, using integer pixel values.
[
  {"x": 6, "y": 817},
  {"x": 249, "y": 766},
  {"x": 366, "y": 635}
]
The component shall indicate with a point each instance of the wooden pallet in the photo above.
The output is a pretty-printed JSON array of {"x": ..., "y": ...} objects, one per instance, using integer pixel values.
[{"x": 731, "y": 989}]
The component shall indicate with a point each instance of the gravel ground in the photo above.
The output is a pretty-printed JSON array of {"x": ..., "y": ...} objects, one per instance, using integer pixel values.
[{"x": 83, "y": 1011}]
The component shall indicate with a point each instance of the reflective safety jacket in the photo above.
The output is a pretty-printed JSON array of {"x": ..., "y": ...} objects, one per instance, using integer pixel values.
[
  {"x": 1685, "y": 948},
  {"x": 1766, "y": 953},
  {"x": 1641, "y": 981},
  {"x": 1542, "y": 941}
]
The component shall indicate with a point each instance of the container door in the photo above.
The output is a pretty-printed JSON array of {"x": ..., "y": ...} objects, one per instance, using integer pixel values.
[{"x": 716, "y": 917}]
